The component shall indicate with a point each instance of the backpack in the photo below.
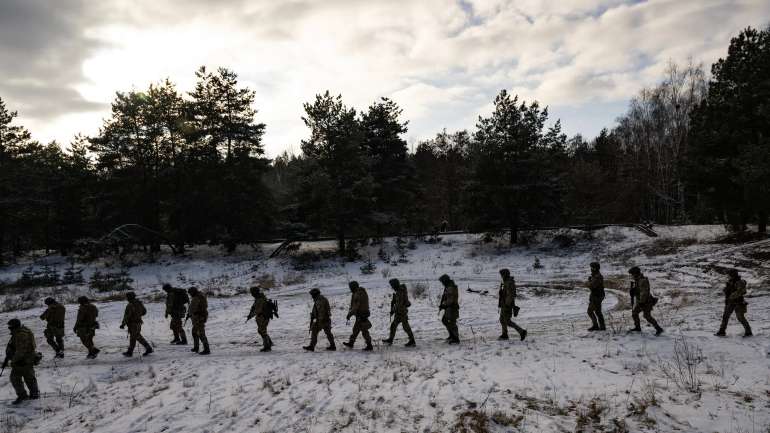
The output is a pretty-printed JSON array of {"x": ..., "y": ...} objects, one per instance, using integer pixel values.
[
  {"x": 142, "y": 310},
  {"x": 272, "y": 309}
]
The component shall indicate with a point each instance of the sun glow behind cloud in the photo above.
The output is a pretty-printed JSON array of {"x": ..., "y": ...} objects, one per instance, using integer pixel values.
[{"x": 442, "y": 61}]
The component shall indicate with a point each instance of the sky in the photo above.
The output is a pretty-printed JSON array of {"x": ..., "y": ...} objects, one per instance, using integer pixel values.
[{"x": 442, "y": 61}]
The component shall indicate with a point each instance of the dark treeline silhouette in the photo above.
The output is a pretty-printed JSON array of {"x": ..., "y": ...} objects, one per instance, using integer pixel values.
[{"x": 192, "y": 167}]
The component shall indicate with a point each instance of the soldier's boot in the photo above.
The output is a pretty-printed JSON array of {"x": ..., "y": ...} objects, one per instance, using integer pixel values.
[
  {"x": 92, "y": 352},
  {"x": 387, "y": 341},
  {"x": 409, "y": 334},
  {"x": 182, "y": 338},
  {"x": 266, "y": 345},
  {"x": 392, "y": 334},
  {"x": 147, "y": 350},
  {"x": 196, "y": 341},
  {"x": 20, "y": 399},
  {"x": 637, "y": 325},
  {"x": 600, "y": 318},
  {"x": 503, "y": 337},
  {"x": 128, "y": 354},
  {"x": 648, "y": 317},
  {"x": 60, "y": 343},
  {"x": 34, "y": 391},
  {"x": 368, "y": 340},
  {"x": 205, "y": 342},
  {"x": 746, "y": 327},
  {"x": 522, "y": 334},
  {"x": 176, "y": 338},
  {"x": 720, "y": 333},
  {"x": 348, "y": 343},
  {"x": 309, "y": 348},
  {"x": 329, "y": 336}
]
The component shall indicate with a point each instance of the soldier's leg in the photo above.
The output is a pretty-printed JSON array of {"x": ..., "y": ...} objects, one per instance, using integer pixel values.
[
  {"x": 262, "y": 331},
  {"x": 131, "y": 342},
  {"x": 504, "y": 319},
  {"x": 651, "y": 320},
  {"x": 453, "y": 330},
  {"x": 204, "y": 339},
  {"x": 140, "y": 338},
  {"x": 725, "y": 318},
  {"x": 196, "y": 338},
  {"x": 635, "y": 315},
  {"x": 31, "y": 381},
  {"x": 599, "y": 315},
  {"x": 180, "y": 330},
  {"x": 366, "y": 335},
  {"x": 447, "y": 325},
  {"x": 354, "y": 335},
  {"x": 330, "y": 336},
  {"x": 17, "y": 381},
  {"x": 407, "y": 329},
  {"x": 393, "y": 327},
  {"x": 174, "y": 329},
  {"x": 49, "y": 338},
  {"x": 314, "y": 336},
  {"x": 740, "y": 314},
  {"x": 60, "y": 342},
  {"x": 592, "y": 315}
]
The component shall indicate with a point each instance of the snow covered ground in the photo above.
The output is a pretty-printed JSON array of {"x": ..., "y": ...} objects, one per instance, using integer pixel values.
[{"x": 561, "y": 378}]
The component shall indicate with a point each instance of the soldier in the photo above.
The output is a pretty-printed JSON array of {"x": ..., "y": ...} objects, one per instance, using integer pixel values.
[
  {"x": 507, "y": 305},
  {"x": 132, "y": 317},
  {"x": 596, "y": 285},
  {"x": 645, "y": 301},
  {"x": 176, "y": 301},
  {"x": 320, "y": 319},
  {"x": 451, "y": 305},
  {"x": 262, "y": 315},
  {"x": 199, "y": 313},
  {"x": 54, "y": 329},
  {"x": 21, "y": 353},
  {"x": 399, "y": 311},
  {"x": 359, "y": 307},
  {"x": 734, "y": 291},
  {"x": 86, "y": 325}
]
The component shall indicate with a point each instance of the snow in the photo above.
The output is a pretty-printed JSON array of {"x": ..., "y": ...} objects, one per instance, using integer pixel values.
[{"x": 561, "y": 378}]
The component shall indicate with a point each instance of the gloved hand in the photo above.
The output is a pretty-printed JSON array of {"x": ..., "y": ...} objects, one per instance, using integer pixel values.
[{"x": 122, "y": 326}]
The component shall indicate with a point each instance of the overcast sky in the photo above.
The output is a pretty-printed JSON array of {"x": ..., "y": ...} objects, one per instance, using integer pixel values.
[{"x": 443, "y": 61}]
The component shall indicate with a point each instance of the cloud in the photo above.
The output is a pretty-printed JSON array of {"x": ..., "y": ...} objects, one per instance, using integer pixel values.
[{"x": 443, "y": 61}]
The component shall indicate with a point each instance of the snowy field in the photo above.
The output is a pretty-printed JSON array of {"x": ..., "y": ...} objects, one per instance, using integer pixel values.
[{"x": 561, "y": 379}]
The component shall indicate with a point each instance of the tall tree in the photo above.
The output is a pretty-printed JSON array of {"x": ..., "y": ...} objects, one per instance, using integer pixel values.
[
  {"x": 513, "y": 181},
  {"x": 730, "y": 153},
  {"x": 339, "y": 187}
]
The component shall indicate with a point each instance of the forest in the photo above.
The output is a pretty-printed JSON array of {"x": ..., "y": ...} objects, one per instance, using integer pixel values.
[{"x": 190, "y": 167}]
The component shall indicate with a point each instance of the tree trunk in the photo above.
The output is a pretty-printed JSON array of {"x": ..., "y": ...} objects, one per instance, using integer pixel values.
[
  {"x": 762, "y": 223},
  {"x": 341, "y": 242}
]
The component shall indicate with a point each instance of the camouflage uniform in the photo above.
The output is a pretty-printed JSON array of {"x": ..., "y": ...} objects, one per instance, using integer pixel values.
[
  {"x": 734, "y": 291},
  {"x": 451, "y": 305},
  {"x": 507, "y": 303},
  {"x": 21, "y": 353},
  {"x": 321, "y": 319},
  {"x": 132, "y": 318},
  {"x": 86, "y": 326},
  {"x": 54, "y": 329},
  {"x": 199, "y": 314},
  {"x": 399, "y": 309},
  {"x": 644, "y": 305},
  {"x": 261, "y": 314},
  {"x": 596, "y": 285},
  {"x": 359, "y": 307},
  {"x": 176, "y": 301}
]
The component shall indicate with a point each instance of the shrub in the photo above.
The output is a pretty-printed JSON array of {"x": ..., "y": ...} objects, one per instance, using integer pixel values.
[{"x": 110, "y": 281}]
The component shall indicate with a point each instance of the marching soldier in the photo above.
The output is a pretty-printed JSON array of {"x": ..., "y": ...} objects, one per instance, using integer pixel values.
[
  {"x": 451, "y": 305},
  {"x": 359, "y": 307},
  {"x": 734, "y": 291},
  {"x": 596, "y": 286},
  {"x": 399, "y": 312},
  {"x": 199, "y": 313},
  {"x": 54, "y": 328},
  {"x": 176, "y": 307},
  {"x": 640, "y": 291},
  {"x": 320, "y": 319},
  {"x": 132, "y": 318},
  {"x": 86, "y": 325},
  {"x": 507, "y": 305},
  {"x": 262, "y": 315},
  {"x": 22, "y": 355}
]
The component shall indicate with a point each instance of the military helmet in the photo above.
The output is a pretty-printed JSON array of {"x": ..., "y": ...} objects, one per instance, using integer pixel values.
[
  {"x": 14, "y": 324},
  {"x": 130, "y": 296},
  {"x": 353, "y": 285},
  {"x": 314, "y": 291},
  {"x": 444, "y": 279},
  {"x": 255, "y": 290},
  {"x": 167, "y": 287},
  {"x": 394, "y": 283},
  {"x": 49, "y": 301},
  {"x": 733, "y": 273},
  {"x": 635, "y": 271},
  {"x": 595, "y": 265},
  {"x": 82, "y": 300},
  {"x": 505, "y": 272}
]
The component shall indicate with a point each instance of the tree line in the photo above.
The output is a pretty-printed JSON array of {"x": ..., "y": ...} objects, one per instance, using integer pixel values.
[{"x": 192, "y": 167}]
